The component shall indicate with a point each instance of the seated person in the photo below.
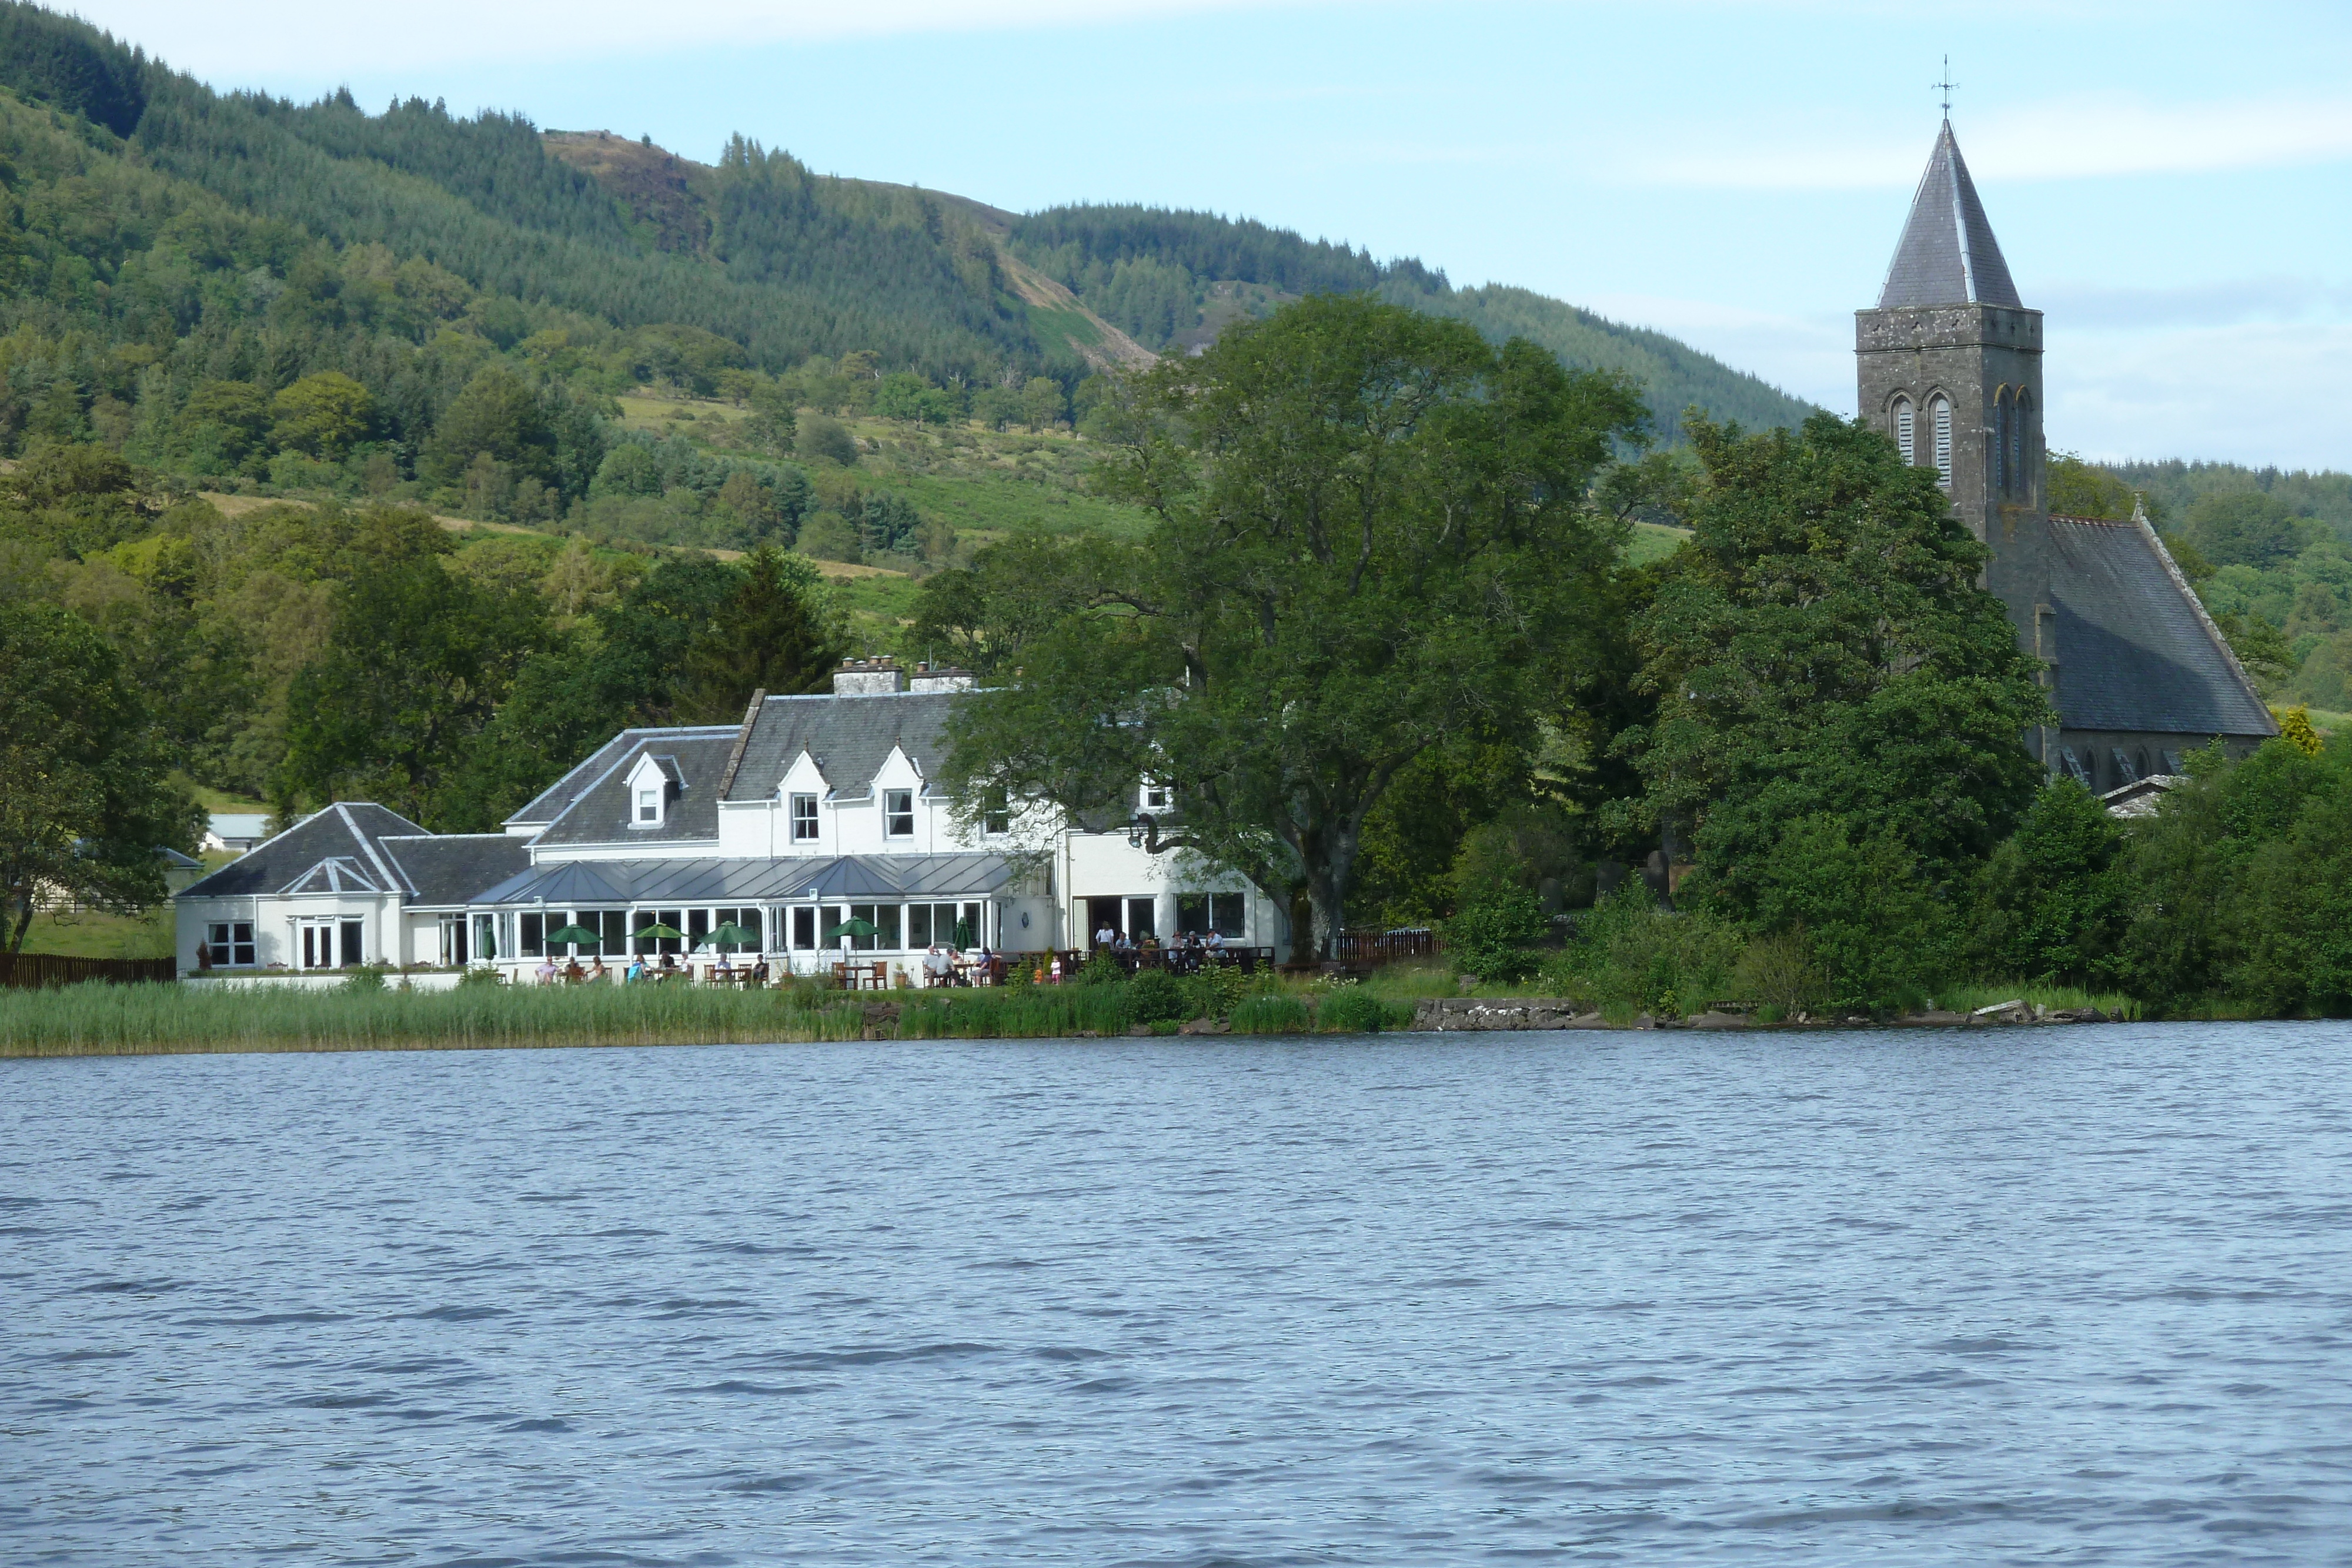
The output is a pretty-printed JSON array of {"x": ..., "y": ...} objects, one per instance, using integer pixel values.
[
  {"x": 596, "y": 971},
  {"x": 983, "y": 967},
  {"x": 1122, "y": 944},
  {"x": 1216, "y": 941},
  {"x": 574, "y": 974},
  {"x": 760, "y": 973},
  {"x": 547, "y": 970}
]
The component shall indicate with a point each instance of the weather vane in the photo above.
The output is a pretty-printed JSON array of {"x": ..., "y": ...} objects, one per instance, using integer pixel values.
[{"x": 1945, "y": 86}]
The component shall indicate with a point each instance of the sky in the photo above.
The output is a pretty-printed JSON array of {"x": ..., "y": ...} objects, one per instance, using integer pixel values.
[{"x": 2167, "y": 181}]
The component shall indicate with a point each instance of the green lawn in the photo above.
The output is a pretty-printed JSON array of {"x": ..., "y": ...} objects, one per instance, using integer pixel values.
[{"x": 93, "y": 936}]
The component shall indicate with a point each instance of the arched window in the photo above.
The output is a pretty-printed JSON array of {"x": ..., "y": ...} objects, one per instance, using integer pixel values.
[
  {"x": 1904, "y": 437},
  {"x": 2000, "y": 466},
  {"x": 1941, "y": 410},
  {"x": 2017, "y": 448}
]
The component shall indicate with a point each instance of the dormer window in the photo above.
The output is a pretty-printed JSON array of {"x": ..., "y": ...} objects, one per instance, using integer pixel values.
[
  {"x": 898, "y": 813},
  {"x": 804, "y": 819},
  {"x": 1158, "y": 797},
  {"x": 654, "y": 783}
]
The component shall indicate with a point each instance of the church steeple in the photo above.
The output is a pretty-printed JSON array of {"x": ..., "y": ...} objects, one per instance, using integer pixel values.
[{"x": 1948, "y": 255}]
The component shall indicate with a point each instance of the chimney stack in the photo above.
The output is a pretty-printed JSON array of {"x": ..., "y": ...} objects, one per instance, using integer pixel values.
[
  {"x": 931, "y": 677},
  {"x": 867, "y": 678}
]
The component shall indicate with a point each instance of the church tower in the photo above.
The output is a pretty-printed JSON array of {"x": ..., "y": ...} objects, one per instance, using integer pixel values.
[{"x": 1950, "y": 366}]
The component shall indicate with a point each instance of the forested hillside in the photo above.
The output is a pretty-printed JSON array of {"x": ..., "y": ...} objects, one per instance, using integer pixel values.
[{"x": 1171, "y": 279}]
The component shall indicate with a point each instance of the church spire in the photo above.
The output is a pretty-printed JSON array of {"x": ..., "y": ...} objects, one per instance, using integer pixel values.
[{"x": 1947, "y": 256}]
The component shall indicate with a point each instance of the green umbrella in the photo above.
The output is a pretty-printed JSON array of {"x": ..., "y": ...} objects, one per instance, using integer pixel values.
[
  {"x": 580, "y": 934},
  {"x": 737, "y": 936},
  {"x": 850, "y": 927},
  {"x": 660, "y": 933}
]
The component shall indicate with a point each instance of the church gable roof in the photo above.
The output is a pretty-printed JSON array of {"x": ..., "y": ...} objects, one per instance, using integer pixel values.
[
  {"x": 1948, "y": 255},
  {"x": 2136, "y": 650}
]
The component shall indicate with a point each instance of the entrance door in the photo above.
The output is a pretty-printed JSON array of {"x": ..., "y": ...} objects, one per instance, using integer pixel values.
[
  {"x": 1104, "y": 912},
  {"x": 318, "y": 945}
]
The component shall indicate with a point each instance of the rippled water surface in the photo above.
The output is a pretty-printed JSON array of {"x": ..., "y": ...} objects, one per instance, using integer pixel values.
[{"x": 2063, "y": 1296}]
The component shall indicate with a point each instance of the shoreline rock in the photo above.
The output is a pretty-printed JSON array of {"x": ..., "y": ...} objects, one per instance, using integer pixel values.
[{"x": 1498, "y": 1014}]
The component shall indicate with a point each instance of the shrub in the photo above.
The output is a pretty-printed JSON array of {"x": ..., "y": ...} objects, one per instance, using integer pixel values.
[
  {"x": 2052, "y": 903},
  {"x": 1780, "y": 973},
  {"x": 1155, "y": 996},
  {"x": 1354, "y": 1010},
  {"x": 1214, "y": 991},
  {"x": 479, "y": 977},
  {"x": 1629, "y": 952},
  {"x": 364, "y": 978},
  {"x": 1491, "y": 935}
]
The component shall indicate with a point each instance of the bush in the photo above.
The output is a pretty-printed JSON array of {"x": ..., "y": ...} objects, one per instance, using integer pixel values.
[
  {"x": 1780, "y": 973},
  {"x": 1354, "y": 1010},
  {"x": 1632, "y": 953},
  {"x": 1155, "y": 996},
  {"x": 364, "y": 978},
  {"x": 479, "y": 977},
  {"x": 1491, "y": 935},
  {"x": 1214, "y": 991}
]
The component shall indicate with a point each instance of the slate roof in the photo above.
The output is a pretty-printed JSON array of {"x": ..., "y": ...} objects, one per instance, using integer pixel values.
[
  {"x": 1948, "y": 255},
  {"x": 585, "y": 884},
  {"x": 346, "y": 833},
  {"x": 552, "y": 801},
  {"x": 850, "y": 737},
  {"x": 2136, "y": 649},
  {"x": 443, "y": 870},
  {"x": 597, "y": 811}
]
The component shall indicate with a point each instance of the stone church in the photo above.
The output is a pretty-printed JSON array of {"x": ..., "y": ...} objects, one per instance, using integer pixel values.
[{"x": 1950, "y": 366}]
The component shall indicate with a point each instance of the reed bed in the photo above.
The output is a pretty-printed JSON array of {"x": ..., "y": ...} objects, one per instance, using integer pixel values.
[
  {"x": 1026, "y": 1012},
  {"x": 116, "y": 1021}
]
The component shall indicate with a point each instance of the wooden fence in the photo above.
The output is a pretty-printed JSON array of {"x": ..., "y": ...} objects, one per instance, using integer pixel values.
[
  {"x": 26, "y": 971},
  {"x": 1369, "y": 949}
]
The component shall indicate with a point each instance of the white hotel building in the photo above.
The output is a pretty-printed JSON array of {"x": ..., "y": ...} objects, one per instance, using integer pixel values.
[{"x": 812, "y": 811}]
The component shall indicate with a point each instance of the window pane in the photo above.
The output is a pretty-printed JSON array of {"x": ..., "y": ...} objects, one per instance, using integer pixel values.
[
  {"x": 1142, "y": 918},
  {"x": 919, "y": 925},
  {"x": 885, "y": 935},
  {"x": 864, "y": 912},
  {"x": 1230, "y": 912},
  {"x": 967, "y": 927},
  {"x": 804, "y": 928},
  {"x": 1192, "y": 913},
  {"x": 533, "y": 929},
  {"x": 697, "y": 927}
]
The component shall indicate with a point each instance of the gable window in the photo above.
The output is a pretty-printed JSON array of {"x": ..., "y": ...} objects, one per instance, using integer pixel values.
[
  {"x": 1158, "y": 797},
  {"x": 1905, "y": 436},
  {"x": 649, "y": 808},
  {"x": 804, "y": 819},
  {"x": 1942, "y": 410},
  {"x": 996, "y": 816},
  {"x": 898, "y": 813},
  {"x": 231, "y": 942}
]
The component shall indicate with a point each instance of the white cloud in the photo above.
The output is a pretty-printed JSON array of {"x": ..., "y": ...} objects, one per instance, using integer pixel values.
[
  {"x": 2089, "y": 137},
  {"x": 2259, "y": 393}
]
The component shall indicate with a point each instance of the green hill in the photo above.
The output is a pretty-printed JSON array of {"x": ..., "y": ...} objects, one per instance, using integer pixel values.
[{"x": 1173, "y": 279}]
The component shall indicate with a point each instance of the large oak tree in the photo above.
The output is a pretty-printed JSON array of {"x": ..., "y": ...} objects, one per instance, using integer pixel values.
[{"x": 1371, "y": 537}]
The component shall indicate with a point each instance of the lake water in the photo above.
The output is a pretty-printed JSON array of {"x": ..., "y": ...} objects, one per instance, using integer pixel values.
[{"x": 2060, "y": 1296}]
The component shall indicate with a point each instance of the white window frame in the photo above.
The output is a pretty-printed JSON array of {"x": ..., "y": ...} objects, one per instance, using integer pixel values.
[
  {"x": 1156, "y": 797},
  {"x": 800, "y": 809},
  {"x": 648, "y": 809},
  {"x": 893, "y": 812},
  {"x": 221, "y": 937}
]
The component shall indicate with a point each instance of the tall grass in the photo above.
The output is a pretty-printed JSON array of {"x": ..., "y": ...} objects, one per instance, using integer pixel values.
[
  {"x": 107, "y": 1020},
  {"x": 1024, "y": 1012}
]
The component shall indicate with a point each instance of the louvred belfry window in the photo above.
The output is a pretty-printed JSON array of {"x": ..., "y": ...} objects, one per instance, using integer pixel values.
[
  {"x": 2000, "y": 466},
  {"x": 1905, "y": 436},
  {"x": 1943, "y": 416}
]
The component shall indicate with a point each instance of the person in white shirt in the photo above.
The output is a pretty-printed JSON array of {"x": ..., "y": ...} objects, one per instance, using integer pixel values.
[
  {"x": 936, "y": 966},
  {"x": 1108, "y": 936}
]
